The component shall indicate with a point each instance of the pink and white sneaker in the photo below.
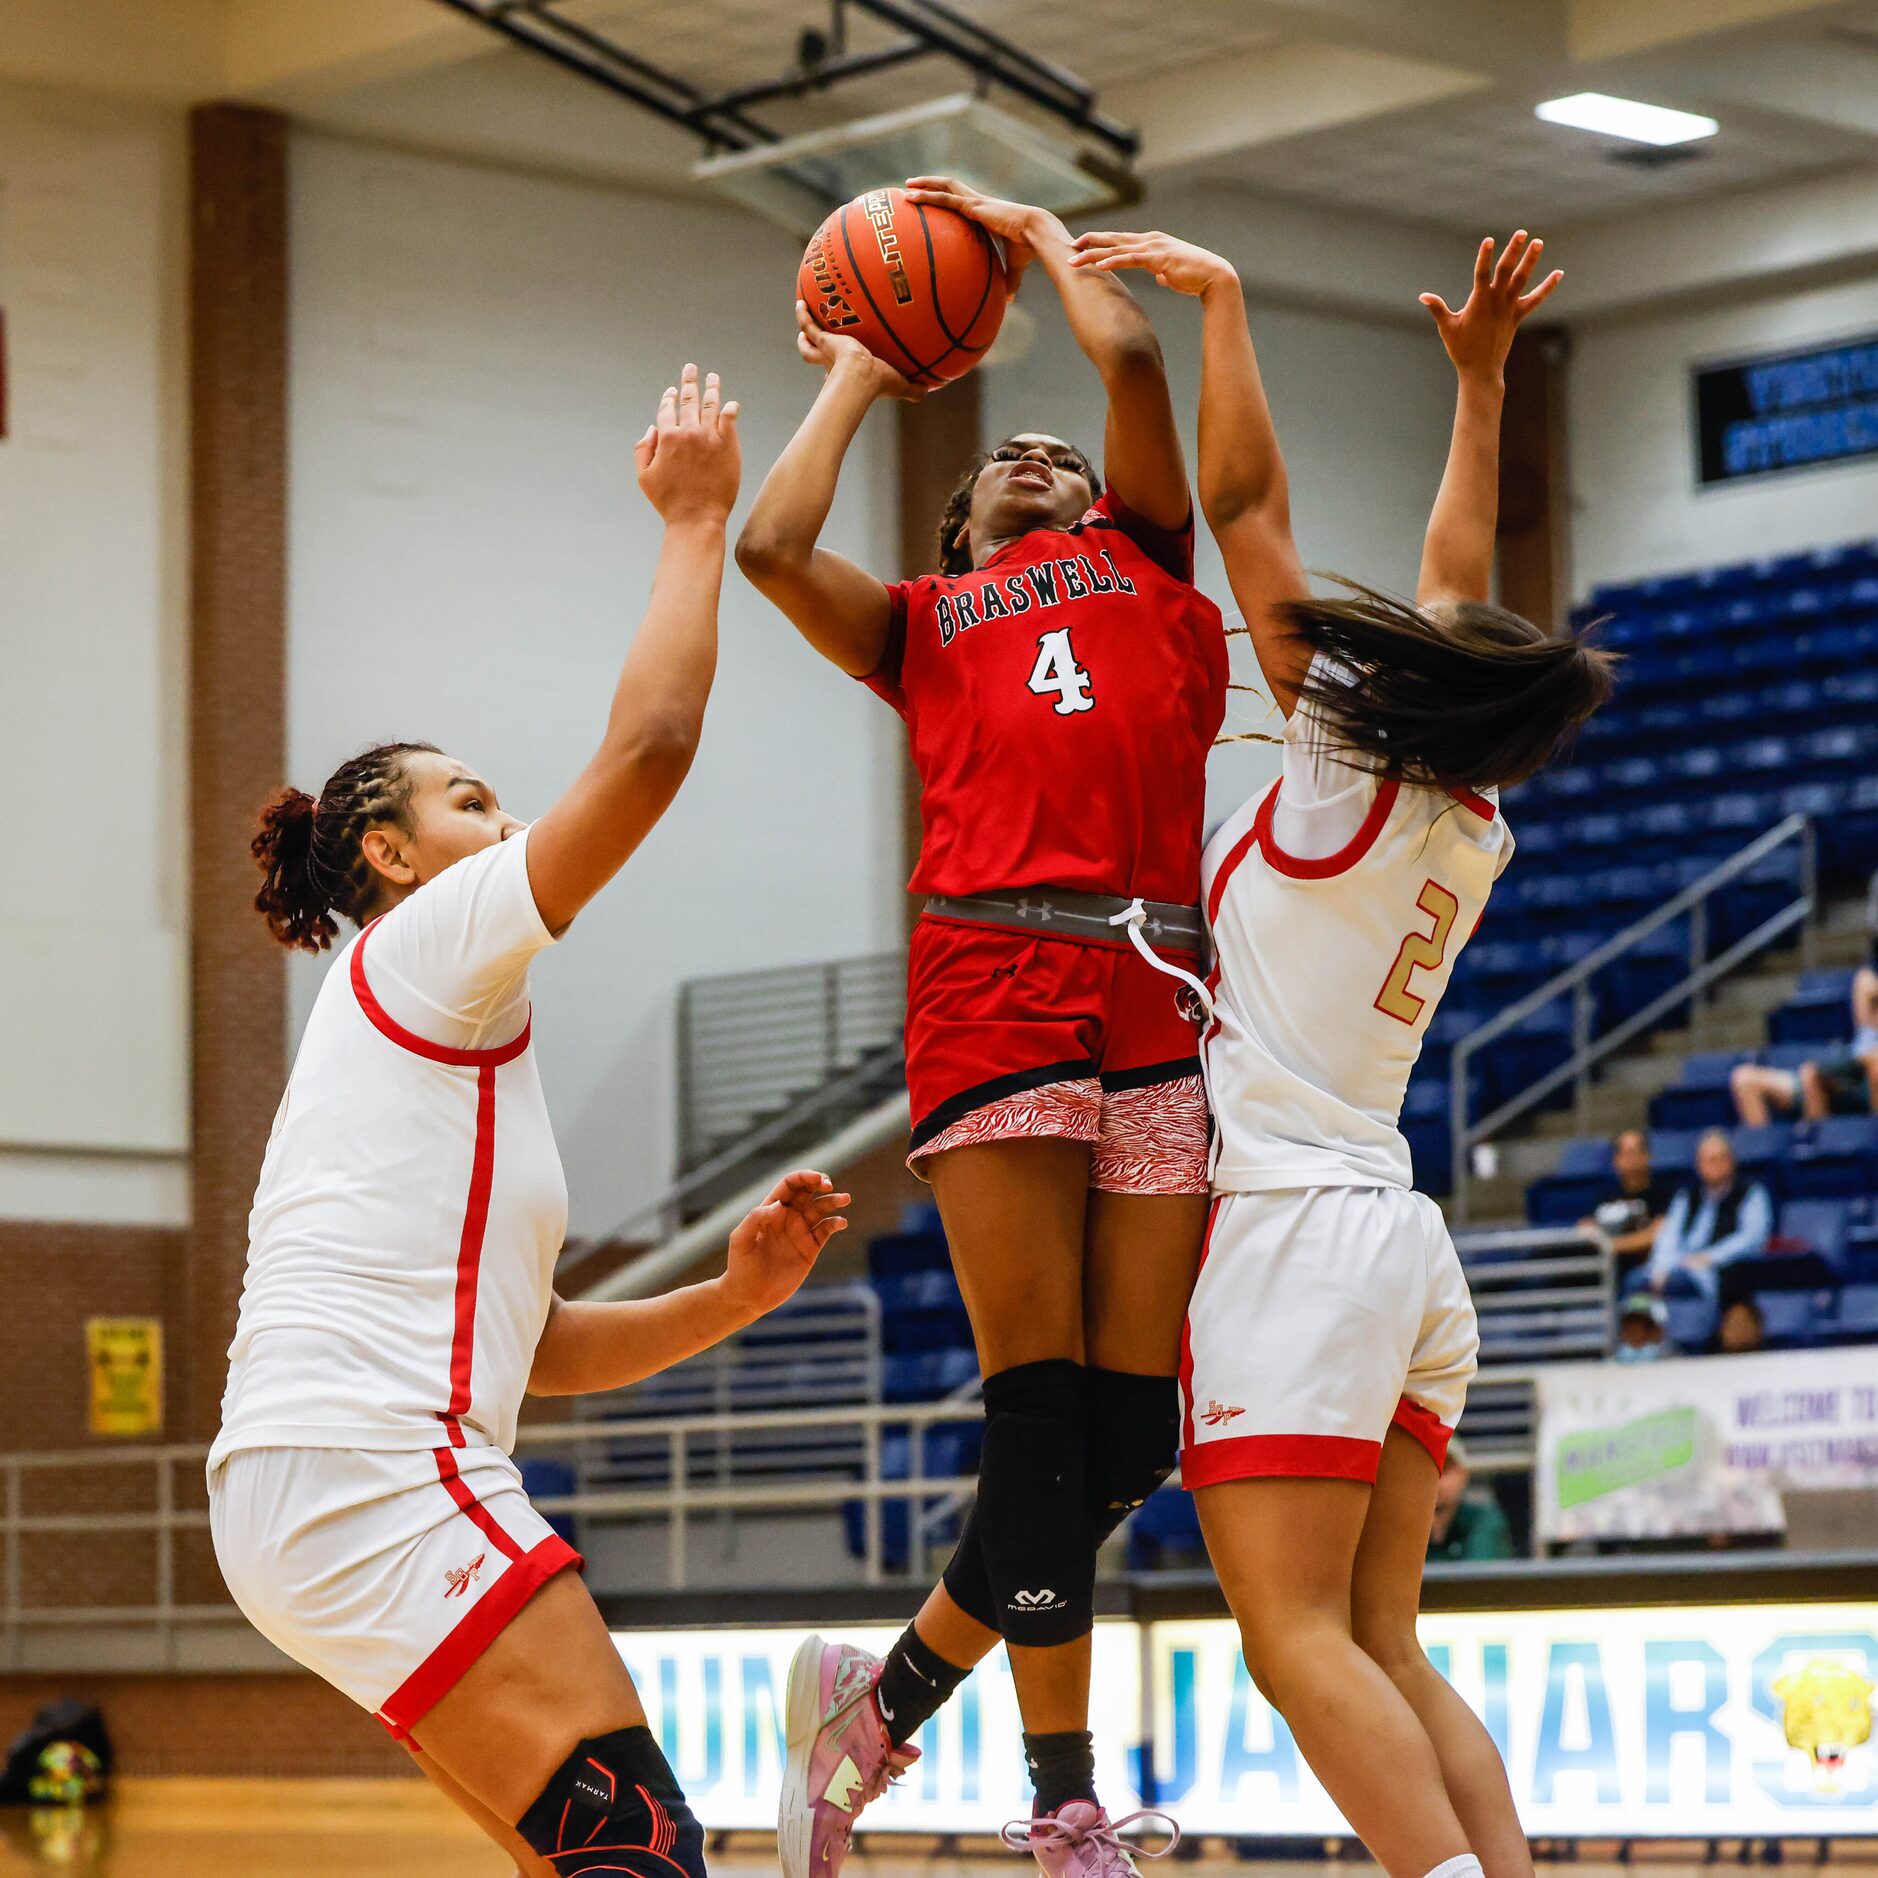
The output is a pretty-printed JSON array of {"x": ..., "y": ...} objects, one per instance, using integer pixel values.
[
  {"x": 1079, "y": 1840},
  {"x": 838, "y": 1756}
]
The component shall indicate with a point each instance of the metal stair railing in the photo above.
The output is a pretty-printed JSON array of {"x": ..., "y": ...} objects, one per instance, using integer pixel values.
[
  {"x": 1575, "y": 982},
  {"x": 751, "y": 1045}
]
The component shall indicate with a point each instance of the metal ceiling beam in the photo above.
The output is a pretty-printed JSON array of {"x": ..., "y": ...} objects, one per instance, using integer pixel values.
[{"x": 931, "y": 28}]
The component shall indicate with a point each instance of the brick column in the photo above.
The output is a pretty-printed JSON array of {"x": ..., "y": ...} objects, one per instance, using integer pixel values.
[
  {"x": 1534, "y": 529},
  {"x": 938, "y": 437},
  {"x": 237, "y": 705}
]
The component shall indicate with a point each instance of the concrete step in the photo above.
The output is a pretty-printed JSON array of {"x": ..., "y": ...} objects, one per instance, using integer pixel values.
[
  {"x": 1644, "y": 1076},
  {"x": 1500, "y": 1201},
  {"x": 1527, "y": 1157},
  {"x": 1756, "y": 993},
  {"x": 1742, "y": 1030},
  {"x": 1606, "y": 1108}
]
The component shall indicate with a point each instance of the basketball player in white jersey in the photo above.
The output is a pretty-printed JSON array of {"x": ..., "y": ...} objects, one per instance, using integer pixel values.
[
  {"x": 398, "y": 1303},
  {"x": 1330, "y": 1338}
]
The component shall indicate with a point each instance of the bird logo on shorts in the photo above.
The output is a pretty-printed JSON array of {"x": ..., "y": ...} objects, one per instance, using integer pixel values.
[
  {"x": 461, "y": 1577},
  {"x": 1217, "y": 1414}
]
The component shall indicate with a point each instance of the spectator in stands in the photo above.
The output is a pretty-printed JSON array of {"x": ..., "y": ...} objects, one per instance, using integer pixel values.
[
  {"x": 1839, "y": 1082},
  {"x": 1630, "y": 1214},
  {"x": 1466, "y": 1525},
  {"x": 1743, "y": 1330},
  {"x": 1711, "y": 1223},
  {"x": 1643, "y": 1330}
]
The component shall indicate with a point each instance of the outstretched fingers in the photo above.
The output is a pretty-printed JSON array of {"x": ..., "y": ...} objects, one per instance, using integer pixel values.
[
  {"x": 1542, "y": 292},
  {"x": 1527, "y": 262},
  {"x": 1504, "y": 267}
]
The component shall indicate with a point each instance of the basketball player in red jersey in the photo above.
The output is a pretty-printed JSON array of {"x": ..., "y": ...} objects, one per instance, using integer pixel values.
[{"x": 1061, "y": 681}]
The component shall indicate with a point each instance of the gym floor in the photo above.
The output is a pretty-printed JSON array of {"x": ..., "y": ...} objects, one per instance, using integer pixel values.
[{"x": 401, "y": 1829}]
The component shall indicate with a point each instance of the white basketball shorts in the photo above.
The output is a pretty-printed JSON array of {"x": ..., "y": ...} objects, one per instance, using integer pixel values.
[
  {"x": 1321, "y": 1316},
  {"x": 387, "y": 1573}
]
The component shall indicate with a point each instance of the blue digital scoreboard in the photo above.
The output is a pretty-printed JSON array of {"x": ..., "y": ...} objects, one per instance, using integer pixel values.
[{"x": 1786, "y": 411}]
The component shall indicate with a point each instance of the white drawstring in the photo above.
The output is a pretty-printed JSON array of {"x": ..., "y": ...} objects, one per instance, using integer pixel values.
[{"x": 1134, "y": 917}]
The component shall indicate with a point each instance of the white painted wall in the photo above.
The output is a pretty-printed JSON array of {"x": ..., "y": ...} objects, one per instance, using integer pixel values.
[
  {"x": 1636, "y": 507},
  {"x": 474, "y": 353},
  {"x": 93, "y": 988},
  {"x": 1363, "y": 412}
]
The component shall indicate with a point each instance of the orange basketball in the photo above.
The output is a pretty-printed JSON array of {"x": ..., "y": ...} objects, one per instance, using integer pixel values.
[{"x": 921, "y": 288}]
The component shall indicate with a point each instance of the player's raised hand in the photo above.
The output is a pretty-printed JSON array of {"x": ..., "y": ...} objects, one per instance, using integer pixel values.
[
  {"x": 842, "y": 352},
  {"x": 1014, "y": 223},
  {"x": 1182, "y": 265},
  {"x": 690, "y": 462},
  {"x": 777, "y": 1244},
  {"x": 1480, "y": 335}
]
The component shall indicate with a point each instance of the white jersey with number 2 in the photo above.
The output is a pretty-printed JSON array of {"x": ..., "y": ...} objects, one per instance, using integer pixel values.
[{"x": 1339, "y": 901}]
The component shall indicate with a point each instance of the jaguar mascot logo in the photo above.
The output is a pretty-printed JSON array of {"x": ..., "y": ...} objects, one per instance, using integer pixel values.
[{"x": 1826, "y": 1712}]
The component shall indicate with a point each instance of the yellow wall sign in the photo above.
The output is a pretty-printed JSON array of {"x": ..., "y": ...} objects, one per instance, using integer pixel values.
[{"x": 126, "y": 1361}]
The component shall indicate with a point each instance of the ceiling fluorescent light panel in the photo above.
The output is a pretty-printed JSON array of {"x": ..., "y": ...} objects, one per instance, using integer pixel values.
[{"x": 1626, "y": 118}]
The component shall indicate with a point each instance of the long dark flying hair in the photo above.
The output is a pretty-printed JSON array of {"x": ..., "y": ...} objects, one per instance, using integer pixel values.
[
  {"x": 1468, "y": 697},
  {"x": 312, "y": 852},
  {"x": 955, "y": 556}
]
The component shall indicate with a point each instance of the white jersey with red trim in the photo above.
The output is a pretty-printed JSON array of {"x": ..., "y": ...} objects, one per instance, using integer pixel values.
[
  {"x": 1339, "y": 901},
  {"x": 412, "y": 1205}
]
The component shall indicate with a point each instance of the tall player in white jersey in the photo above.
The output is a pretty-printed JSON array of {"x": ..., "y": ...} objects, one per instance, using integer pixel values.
[
  {"x": 1331, "y": 1338},
  {"x": 399, "y": 1297}
]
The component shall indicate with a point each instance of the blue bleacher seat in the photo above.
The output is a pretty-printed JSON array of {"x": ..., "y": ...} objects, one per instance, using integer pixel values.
[
  {"x": 1857, "y": 1317},
  {"x": 1761, "y": 1153},
  {"x": 1672, "y": 1151},
  {"x": 891, "y": 1254},
  {"x": 1837, "y": 1156},
  {"x": 1792, "y": 1319},
  {"x": 544, "y": 1478},
  {"x": 926, "y": 1375},
  {"x": 1168, "y": 1519},
  {"x": 1701, "y": 1098},
  {"x": 1587, "y": 1156},
  {"x": 1691, "y": 1322},
  {"x": 1823, "y": 1225},
  {"x": 1788, "y": 1056}
]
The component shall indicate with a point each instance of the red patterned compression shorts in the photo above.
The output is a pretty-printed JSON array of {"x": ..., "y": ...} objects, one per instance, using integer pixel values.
[{"x": 1012, "y": 1036}]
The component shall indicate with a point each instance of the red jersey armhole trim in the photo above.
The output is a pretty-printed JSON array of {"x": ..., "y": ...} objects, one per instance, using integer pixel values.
[
  {"x": 1478, "y": 803},
  {"x": 388, "y": 1026},
  {"x": 1346, "y": 857}
]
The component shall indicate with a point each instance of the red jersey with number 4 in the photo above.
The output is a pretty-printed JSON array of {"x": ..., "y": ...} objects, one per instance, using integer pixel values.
[{"x": 1060, "y": 702}]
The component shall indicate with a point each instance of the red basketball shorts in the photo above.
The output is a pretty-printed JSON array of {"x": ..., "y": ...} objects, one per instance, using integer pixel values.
[{"x": 1012, "y": 1036}]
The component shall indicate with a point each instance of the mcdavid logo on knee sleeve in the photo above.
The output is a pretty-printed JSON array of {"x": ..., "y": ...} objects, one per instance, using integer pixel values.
[{"x": 1044, "y": 1600}]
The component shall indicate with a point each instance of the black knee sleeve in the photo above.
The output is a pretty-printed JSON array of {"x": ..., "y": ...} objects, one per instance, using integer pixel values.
[
  {"x": 1134, "y": 1440},
  {"x": 966, "y": 1578},
  {"x": 615, "y": 1806},
  {"x": 1032, "y": 1516}
]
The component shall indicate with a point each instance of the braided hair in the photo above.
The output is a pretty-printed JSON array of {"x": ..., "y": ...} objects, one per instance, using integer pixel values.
[
  {"x": 955, "y": 556},
  {"x": 312, "y": 853}
]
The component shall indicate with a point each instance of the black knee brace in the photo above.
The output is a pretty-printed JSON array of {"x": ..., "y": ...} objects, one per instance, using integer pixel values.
[
  {"x": 1134, "y": 1440},
  {"x": 614, "y": 1806},
  {"x": 1031, "y": 1516}
]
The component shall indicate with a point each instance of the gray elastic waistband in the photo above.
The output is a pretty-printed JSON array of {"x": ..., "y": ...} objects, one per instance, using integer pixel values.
[{"x": 1060, "y": 915}]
